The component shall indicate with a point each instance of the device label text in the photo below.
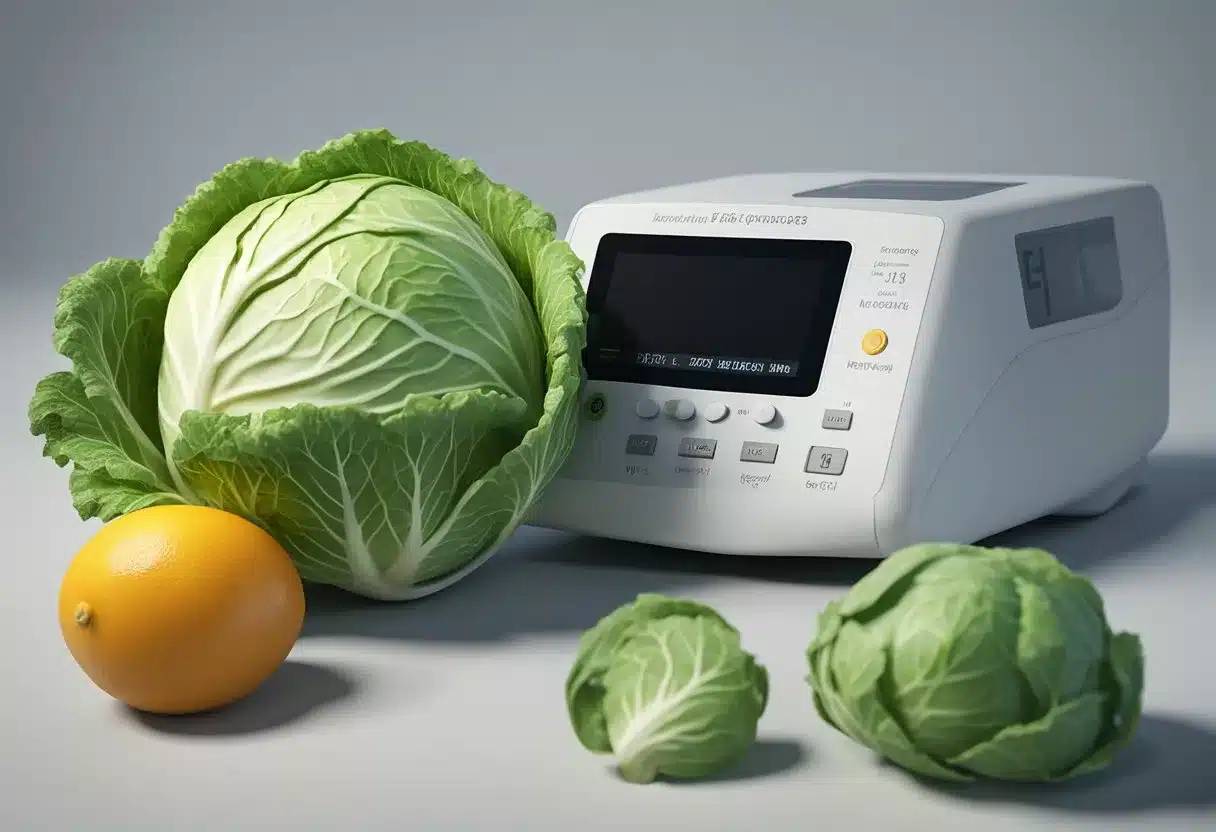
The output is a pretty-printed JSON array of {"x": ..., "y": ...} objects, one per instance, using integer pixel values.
[
  {"x": 870, "y": 367},
  {"x": 734, "y": 218},
  {"x": 896, "y": 305},
  {"x": 740, "y": 218}
]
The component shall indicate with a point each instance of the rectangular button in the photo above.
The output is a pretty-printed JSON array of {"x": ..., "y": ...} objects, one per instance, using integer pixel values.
[
  {"x": 824, "y": 460},
  {"x": 759, "y": 452},
  {"x": 837, "y": 419},
  {"x": 641, "y": 444},
  {"x": 691, "y": 446}
]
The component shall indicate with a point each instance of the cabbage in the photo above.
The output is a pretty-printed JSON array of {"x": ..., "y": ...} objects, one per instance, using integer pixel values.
[
  {"x": 963, "y": 662},
  {"x": 372, "y": 352},
  {"x": 665, "y": 685}
]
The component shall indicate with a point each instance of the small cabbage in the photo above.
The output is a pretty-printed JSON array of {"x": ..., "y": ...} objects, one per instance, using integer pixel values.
[
  {"x": 665, "y": 685},
  {"x": 957, "y": 662},
  {"x": 372, "y": 352}
]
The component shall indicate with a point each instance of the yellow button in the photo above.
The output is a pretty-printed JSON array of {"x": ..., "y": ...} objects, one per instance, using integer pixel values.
[{"x": 874, "y": 342}]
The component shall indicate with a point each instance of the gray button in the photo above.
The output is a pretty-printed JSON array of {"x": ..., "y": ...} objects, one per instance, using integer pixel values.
[
  {"x": 838, "y": 419},
  {"x": 641, "y": 444},
  {"x": 691, "y": 446},
  {"x": 681, "y": 409},
  {"x": 824, "y": 460},
  {"x": 646, "y": 409},
  {"x": 759, "y": 452}
]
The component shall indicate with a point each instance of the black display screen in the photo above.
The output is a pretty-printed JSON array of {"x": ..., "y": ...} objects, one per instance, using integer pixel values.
[{"x": 732, "y": 314}]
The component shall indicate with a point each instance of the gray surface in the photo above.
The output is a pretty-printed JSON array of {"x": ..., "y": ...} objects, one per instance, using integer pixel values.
[{"x": 448, "y": 715}]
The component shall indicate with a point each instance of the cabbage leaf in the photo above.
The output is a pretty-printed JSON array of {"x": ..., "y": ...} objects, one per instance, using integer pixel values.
[{"x": 372, "y": 351}]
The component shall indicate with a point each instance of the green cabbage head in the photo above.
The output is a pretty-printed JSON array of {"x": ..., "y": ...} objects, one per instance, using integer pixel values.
[
  {"x": 373, "y": 352},
  {"x": 666, "y": 686},
  {"x": 963, "y": 662}
]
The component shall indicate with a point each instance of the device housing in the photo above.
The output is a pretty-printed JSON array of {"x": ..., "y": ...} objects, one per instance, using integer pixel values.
[{"x": 1024, "y": 368}]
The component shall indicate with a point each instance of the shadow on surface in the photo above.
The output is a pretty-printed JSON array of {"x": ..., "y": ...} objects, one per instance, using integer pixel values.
[
  {"x": 1171, "y": 764},
  {"x": 294, "y": 691},
  {"x": 682, "y": 565},
  {"x": 548, "y": 582},
  {"x": 552, "y": 582},
  {"x": 768, "y": 757},
  {"x": 1174, "y": 489},
  {"x": 538, "y": 584}
]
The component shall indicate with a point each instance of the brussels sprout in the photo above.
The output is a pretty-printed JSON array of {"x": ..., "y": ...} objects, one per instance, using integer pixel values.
[
  {"x": 957, "y": 662},
  {"x": 665, "y": 685}
]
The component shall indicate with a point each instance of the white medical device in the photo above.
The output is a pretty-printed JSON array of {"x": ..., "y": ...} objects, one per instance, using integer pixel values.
[{"x": 844, "y": 364}]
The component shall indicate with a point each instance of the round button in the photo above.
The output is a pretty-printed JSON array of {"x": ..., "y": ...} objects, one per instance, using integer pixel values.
[
  {"x": 716, "y": 412},
  {"x": 593, "y": 408},
  {"x": 765, "y": 414},
  {"x": 647, "y": 409},
  {"x": 874, "y": 342},
  {"x": 681, "y": 409}
]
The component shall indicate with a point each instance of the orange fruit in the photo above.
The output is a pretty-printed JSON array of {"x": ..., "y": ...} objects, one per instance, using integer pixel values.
[{"x": 180, "y": 609}]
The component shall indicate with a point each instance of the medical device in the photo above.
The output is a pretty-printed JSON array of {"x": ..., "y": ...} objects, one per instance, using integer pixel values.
[{"x": 845, "y": 364}]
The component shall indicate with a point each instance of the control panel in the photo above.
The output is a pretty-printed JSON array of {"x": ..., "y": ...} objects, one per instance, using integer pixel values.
[
  {"x": 820, "y": 459},
  {"x": 686, "y": 439},
  {"x": 821, "y": 429}
]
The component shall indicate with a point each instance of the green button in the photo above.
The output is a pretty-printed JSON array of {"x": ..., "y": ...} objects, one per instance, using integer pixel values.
[{"x": 594, "y": 407}]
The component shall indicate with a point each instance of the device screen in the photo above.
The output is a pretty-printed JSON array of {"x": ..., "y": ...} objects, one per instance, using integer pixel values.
[
  {"x": 1069, "y": 271},
  {"x": 731, "y": 314}
]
